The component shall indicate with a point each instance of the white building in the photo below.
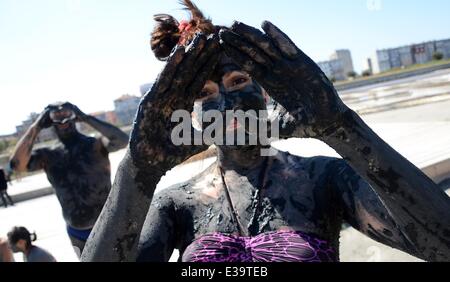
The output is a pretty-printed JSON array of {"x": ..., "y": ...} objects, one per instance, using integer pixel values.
[
  {"x": 339, "y": 65},
  {"x": 345, "y": 56},
  {"x": 145, "y": 88},
  {"x": 126, "y": 108},
  {"x": 333, "y": 69},
  {"x": 387, "y": 59}
]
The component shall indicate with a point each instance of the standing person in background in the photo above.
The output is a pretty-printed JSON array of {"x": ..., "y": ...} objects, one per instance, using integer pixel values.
[
  {"x": 78, "y": 167},
  {"x": 4, "y": 189}
]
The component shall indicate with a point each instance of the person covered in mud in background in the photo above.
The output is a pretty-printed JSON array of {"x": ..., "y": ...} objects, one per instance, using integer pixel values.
[
  {"x": 78, "y": 166},
  {"x": 20, "y": 240},
  {"x": 247, "y": 207},
  {"x": 4, "y": 179}
]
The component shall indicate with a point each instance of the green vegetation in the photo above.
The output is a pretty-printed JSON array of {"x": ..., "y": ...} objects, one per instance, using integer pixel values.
[
  {"x": 366, "y": 73},
  {"x": 352, "y": 74},
  {"x": 437, "y": 56},
  {"x": 6, "y": 145}
]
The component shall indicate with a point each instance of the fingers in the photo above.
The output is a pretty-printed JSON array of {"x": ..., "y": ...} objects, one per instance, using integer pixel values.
[
  {"x": 202, "y": 75},
  {"x": 281, "y": 40},
  {"x": 256, "y": 37},
  {"x": 184, "y": 73},
  {"x": 203, "y": 68},
  {"x": 241, "y": 44},
  {"x": 199, "y": 68},
  {"x": 246, "y": 62},
  {"x": 165, "y": 79},
  {"x": 212, "y": 48}
]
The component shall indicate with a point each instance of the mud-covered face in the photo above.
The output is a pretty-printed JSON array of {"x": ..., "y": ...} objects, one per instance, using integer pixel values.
[
  {"x": 236, "y": 91},
  {"x": 63, "y": 121},
  {"x": 62, "y": 115},
  {"x": 65, "y": 130}
]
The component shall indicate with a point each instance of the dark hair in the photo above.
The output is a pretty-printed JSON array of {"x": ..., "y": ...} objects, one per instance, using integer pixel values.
[
  {"x": 166, "y": 34},
  {"x": 21, "y": 233}
]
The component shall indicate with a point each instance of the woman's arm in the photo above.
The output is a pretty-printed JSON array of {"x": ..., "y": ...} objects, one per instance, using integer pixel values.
[
  {"x": 158, "y": 239},
  {"x": 151, "y": 152},
  {"x": 420, "y": 209},
  {"x": 364, "y": 210},
  {"x": 116, "y": 233}
]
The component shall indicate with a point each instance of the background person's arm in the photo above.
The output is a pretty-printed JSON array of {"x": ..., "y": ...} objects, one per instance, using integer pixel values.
[
  {"x": 23, "y": 151},
  {"x": 113, "y": 139}
]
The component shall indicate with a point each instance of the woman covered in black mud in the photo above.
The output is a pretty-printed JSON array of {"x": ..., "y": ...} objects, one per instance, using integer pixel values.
[{"x": 252, "y": 208}]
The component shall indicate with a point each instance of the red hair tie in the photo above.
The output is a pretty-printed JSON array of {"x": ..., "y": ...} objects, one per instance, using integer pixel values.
[{"x": 184, "y": 27}]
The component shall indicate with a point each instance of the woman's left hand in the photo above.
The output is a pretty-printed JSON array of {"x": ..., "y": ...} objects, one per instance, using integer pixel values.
[{"x": 288, "y": 75}]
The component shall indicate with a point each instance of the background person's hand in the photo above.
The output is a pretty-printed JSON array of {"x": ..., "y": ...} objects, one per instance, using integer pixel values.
[
  {"x": 80, "y": 115},
  {"x": 289, "y": 76},
  {"x": 44, "y": 121},
  {"x": 177, "y": 87}
]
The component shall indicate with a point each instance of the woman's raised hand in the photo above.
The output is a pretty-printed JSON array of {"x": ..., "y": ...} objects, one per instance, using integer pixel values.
[
  {"x": 287, "y": 74},
  {"x": 176, "y": 88}
]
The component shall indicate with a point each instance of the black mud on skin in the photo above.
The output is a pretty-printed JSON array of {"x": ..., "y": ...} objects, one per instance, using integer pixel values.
[
  {"x": 374, "y": 188},
  {"x": 323, "y": 193},
  {"x": 81, "y": 177},
  {"x": 310, "y": 107},
  {"x": 151, "y": 152}
]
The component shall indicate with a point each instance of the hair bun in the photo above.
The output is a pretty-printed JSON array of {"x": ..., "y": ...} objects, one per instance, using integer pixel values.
[
  {"x": 165, "y": 36},
  {"x": 33, "y": 236}
]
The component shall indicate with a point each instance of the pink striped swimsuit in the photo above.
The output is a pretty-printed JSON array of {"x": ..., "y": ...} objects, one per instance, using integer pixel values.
[{"x": 277, "y": 246}]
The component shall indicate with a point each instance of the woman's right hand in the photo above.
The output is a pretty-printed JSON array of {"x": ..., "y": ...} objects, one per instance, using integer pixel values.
[{"x": 177, "y": 87}]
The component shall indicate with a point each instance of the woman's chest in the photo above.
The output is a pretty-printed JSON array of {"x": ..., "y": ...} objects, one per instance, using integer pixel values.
[{"x": 250, "y": 206}]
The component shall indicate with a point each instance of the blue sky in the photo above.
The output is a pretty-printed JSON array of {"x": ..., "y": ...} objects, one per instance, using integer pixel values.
[{"x": 91, "y": 52}]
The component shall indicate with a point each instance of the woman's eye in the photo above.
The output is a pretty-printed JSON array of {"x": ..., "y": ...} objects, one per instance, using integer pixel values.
[{"x": 239, "y": 81}]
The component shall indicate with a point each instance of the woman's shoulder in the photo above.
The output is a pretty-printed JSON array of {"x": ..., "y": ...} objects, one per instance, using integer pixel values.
[{"x": 179, "y": 194}]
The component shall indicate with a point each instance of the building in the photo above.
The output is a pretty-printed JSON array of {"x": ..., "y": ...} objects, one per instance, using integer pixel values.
[
  {"x": 333, "y": 69},
  {"x": 368, "y": 66},
  {"x": 345, "y": 56},
  {"x": 109, "y": 116},
  {"x": 400, "y": 57},
  {"x": 45, "y": 134},
  {"x": 145, "y": 88},
  {"x": 339, "y": 65},
  {"x": 126, "y": 108}
]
